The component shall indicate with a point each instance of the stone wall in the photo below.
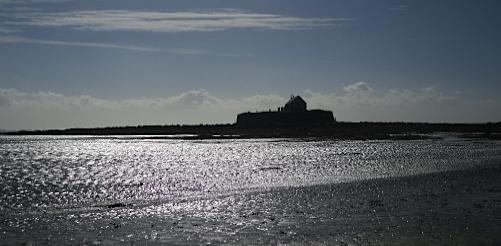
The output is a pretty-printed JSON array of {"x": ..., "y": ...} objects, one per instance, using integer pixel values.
[{"x": 284, "y": 118}]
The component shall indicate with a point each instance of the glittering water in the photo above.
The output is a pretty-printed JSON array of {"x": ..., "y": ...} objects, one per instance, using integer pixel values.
[{"x": 38, "y": 172}]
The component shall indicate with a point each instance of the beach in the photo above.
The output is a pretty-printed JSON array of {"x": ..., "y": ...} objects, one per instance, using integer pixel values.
[
  {"x": 448, "y": 208},
  {"x": 114, "y": 191},
  {"x": 261, "y": 122}
]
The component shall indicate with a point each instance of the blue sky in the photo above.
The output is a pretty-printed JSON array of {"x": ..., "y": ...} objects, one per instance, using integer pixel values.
[{"x": 97, "y": 63}]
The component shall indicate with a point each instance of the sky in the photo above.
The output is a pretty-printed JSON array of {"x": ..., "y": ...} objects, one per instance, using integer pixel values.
[{"x": 93, "y": 63}]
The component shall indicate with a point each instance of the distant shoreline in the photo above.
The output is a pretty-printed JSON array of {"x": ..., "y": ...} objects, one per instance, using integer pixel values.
[{"x": 336, "y": 130}]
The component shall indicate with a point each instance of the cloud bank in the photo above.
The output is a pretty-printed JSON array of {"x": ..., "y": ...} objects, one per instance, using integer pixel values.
[
  {"x": 158, "y": 21},
  {"x": 357, "y": 102}
]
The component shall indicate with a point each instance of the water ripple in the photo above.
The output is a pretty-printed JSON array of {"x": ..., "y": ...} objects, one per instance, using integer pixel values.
[{"x": 67, "y": 172}]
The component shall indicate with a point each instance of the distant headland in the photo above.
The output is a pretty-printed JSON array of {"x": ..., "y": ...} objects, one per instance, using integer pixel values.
[{"x": 293, "y": 120}]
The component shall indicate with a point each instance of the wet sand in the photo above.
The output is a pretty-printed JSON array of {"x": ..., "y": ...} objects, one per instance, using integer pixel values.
[{"x": 450, "y": 208}]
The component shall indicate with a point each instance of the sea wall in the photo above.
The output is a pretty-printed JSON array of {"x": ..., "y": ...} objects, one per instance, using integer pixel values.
[{"x": 284, "y": 118}]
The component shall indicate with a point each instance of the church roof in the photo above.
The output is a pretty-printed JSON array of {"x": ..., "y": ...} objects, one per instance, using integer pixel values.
[{"x": 294, "y": 99}]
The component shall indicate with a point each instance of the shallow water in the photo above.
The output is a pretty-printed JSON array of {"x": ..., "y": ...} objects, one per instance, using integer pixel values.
[
  {"x": 118, "y": 190},
  {"x": 47, "y": 172}
]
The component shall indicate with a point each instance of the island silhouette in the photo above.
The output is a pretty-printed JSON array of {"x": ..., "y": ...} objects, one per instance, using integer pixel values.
[
  {"x": 294, "y": 113},
  {"x": 293, "y": 120}
]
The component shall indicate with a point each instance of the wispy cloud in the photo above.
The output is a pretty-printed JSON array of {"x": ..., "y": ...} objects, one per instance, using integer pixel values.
[
  {"x": 187, "y": 21},
  {"x": 25, "y": 5},
  {"x": 31, "y": 1},
  {"x": 7, "y": 30},
  {"x": 17, "y": 39},
  {"x": 400, "y": 5}
]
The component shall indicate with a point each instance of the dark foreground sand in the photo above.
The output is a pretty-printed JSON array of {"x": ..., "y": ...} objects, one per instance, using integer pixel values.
[{"x": 453, "y": 208}]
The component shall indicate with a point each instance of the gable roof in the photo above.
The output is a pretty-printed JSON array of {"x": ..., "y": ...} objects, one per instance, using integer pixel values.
[{"x": 294, "y": 99}]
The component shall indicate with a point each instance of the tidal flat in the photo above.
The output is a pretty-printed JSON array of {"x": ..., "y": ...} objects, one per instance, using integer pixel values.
[{"x": 113, "y": 191}]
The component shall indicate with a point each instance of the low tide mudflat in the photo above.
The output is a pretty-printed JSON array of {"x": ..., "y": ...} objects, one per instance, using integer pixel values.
[{"x": 268, "y": 191}]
